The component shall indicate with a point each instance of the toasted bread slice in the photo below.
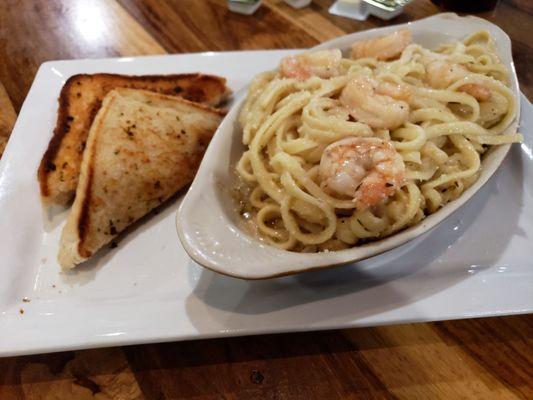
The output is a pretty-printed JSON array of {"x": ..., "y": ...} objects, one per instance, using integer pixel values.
[
  {"x": 137, "y": 156},
  {"x": 80, "y": 100}
]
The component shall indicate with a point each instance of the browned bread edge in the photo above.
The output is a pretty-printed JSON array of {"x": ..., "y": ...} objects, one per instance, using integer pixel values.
[{"x": 194, "y": 104}]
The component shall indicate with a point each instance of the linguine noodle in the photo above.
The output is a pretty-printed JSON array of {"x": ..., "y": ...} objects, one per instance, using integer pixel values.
[{"x": 287, "y": 124}]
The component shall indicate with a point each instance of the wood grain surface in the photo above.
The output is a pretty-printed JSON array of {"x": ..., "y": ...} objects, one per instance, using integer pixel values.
[
  {"x": 7, "y": 118},
  {"x": 489, "y": 358}
]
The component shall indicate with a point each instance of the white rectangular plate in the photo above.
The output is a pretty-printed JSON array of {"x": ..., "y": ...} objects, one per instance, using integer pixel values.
[{"x": 476, "y": 263}]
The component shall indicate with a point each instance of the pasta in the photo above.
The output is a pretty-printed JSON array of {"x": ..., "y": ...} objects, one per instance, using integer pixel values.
[{"x": 340, "y": 151}]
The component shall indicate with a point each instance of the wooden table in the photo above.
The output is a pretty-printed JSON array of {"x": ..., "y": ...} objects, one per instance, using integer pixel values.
[{"x": 484, "y": 359}]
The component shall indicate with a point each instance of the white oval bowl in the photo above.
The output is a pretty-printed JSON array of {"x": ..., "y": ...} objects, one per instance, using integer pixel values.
[{"x": 209, "y": 226}]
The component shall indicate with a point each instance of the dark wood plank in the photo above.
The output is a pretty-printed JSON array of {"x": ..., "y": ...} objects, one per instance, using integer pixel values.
[
  {"x": 486, "y": 358},
  {"x": 98, "y": 374},
  {"x": 308, "y": 365},
  {"x": 191, "y": 25},
  {"x": 502, "y": 346},
  {"x": 35, "y": 31},
  {"x": 523, "y": 5}
]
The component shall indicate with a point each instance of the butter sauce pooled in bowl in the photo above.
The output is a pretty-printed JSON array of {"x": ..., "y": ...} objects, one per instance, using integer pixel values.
[{"x": 348, "y": 156}]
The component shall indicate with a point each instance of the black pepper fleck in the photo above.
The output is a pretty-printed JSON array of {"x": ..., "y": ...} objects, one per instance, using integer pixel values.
[{"x": 112, "y": 229}]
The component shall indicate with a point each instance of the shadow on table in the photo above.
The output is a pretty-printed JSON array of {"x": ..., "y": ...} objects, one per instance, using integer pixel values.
[{"x": 361, "y": 289}]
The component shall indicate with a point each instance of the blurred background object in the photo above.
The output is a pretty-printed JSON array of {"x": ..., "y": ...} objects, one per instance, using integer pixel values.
[
  {"x": 361, "y": 9},
  {"x": 247, "y": 7}
]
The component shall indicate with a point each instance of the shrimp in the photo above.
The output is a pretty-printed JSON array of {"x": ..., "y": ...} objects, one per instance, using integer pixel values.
[
  {"x": 383, "y": 47},
  {"x": 324, "y": 64},
  {"x": 375, "y": 104},
  {"x": 367, "y": 170},
  {"x": 441, "y": 74},
  {"x": 480, "y": 93}
]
